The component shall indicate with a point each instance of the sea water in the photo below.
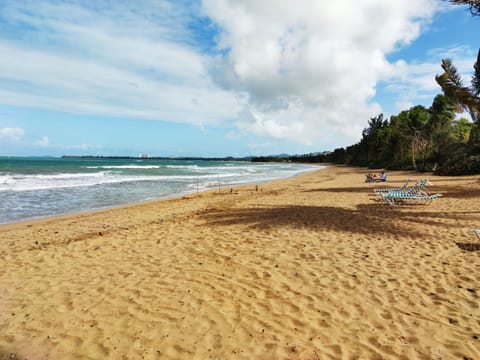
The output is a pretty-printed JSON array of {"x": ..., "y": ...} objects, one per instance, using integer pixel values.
[{"x": 40, "y": 187}]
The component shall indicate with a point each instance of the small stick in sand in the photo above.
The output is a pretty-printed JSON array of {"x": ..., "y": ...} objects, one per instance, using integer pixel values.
[{"x": 477, "y": 232}]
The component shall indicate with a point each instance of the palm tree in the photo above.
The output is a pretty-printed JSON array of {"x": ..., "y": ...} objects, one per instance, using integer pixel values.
[
  {"x": 474, "y": 5},
  {"x": 476, "y": 76},
  {"x": 465, "y": 98}
]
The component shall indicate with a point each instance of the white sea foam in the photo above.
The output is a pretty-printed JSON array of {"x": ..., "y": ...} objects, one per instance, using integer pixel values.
[
  {"x": 240, "y": 169},
  {"x": 123, "y": 167},
  {"x": 21, "y": 182},
  {"x": 187, "y": 167}
]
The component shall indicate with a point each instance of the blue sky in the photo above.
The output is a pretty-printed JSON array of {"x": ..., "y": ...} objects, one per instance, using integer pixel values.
[{"x": 217, "y": 77}]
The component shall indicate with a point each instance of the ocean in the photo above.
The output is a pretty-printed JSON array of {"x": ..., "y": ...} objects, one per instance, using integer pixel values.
[{"x": 33, "y": 188}]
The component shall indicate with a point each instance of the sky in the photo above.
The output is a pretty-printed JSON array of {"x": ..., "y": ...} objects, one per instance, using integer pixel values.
[{"x": 217, "y": 77}]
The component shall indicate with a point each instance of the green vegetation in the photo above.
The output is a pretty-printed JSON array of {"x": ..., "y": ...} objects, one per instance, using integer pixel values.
[{"x": 420, "y": 139}]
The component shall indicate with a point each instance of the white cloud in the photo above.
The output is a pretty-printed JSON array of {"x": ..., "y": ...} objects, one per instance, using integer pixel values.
[
  {"x": 83, "y": 146},
  {"x": 411, "y": 82},
  {"x": 44, "y": 142},
  {"x": 11, "y": 134},
  {"x": 311, "y": 68},
  {"x": 288, "y": 69},
  {"x": 232, "y": 135},
  {"x": 115, "y": 61},
  {"x": 259, "y": 148}
]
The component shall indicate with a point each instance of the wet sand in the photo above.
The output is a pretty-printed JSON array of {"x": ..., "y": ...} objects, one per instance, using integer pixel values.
[{"x": 312, "y": 267}]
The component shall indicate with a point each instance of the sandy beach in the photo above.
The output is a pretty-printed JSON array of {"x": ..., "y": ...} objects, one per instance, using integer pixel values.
[{"x": 312, "y": 267}]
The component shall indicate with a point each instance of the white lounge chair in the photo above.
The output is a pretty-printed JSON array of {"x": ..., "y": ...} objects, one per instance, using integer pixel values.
[
  {"x": 394, "y": 197},
  {"x": 385, "y": 190},
  {"x": 417, "y": 188},
  {"x": 417, "y": 193}
]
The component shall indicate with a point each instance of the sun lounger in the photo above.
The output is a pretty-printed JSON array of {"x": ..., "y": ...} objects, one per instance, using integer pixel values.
[
  {"x": 417, "y": 193},
  {"x": 417, "y": 188},
  {"x": 395, "y": 197},
  {"x": 385, "y": 190}
]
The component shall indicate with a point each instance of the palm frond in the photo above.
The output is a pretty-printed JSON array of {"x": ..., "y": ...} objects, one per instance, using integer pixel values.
[
  {"x": 474, "y": 5},
  {"x": 463, "y": 98},
  {"x": 476, "y": 76},
  {"x": 451, "y": 73}
]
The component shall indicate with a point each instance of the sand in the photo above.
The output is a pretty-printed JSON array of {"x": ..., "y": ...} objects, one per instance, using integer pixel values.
[{"x": 312, "y": 267}]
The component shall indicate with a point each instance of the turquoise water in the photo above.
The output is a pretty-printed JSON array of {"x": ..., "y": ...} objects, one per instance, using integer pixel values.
[{"x": 39, "y": 187}]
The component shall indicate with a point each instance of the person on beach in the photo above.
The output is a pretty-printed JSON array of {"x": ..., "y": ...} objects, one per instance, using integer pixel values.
[
  {"x": 376, "y": 178},
  {"x": 371, "y": 177}
]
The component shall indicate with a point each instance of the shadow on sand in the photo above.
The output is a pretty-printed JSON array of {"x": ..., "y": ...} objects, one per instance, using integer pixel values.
[
  {"x": 469, "y": 246},
  {"x": 365, "y": 219}
]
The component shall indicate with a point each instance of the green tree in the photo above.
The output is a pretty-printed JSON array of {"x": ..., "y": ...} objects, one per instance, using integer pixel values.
[
  {"x": 439, "y": 129},
  {"x": 398, "y": 141},
  {"x": 461, "y": 130},
  {"x": 410, "y": 128},
  {"x": 369, "y": 146}
]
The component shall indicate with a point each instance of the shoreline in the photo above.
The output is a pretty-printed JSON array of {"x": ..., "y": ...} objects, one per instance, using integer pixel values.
[
  {"x": 180, "y": 194},
  {"x": 306, "y": 267}
]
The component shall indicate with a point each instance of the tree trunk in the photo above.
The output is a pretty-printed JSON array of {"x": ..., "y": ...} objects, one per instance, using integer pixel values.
[{"x": 413, "y": 155}]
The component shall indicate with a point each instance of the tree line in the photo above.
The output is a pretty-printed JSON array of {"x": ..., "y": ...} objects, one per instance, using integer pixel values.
[{"x": 420, "y": 139}]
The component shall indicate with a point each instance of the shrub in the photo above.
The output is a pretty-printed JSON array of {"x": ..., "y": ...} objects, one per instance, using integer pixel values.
[{"x": 463, "y": 166}]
